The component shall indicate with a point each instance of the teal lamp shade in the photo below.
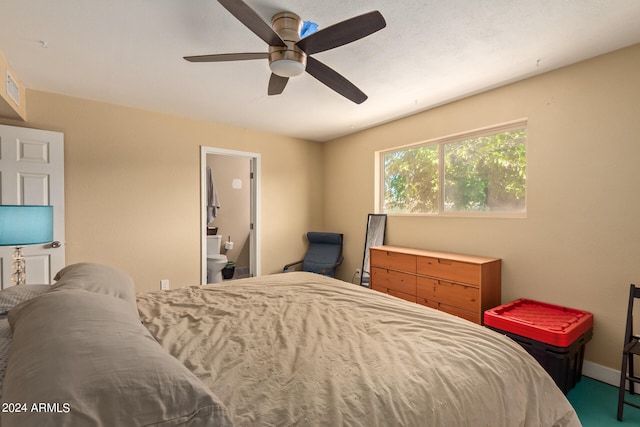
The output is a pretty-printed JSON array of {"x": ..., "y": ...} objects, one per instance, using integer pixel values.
[{"x": 25, "y": 225}]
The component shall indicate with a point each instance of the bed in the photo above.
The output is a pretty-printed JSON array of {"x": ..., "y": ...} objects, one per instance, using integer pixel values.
[{"x": 295, "y": 349}]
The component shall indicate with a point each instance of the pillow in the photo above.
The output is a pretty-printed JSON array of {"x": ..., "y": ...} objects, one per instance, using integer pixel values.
[
  {"x": 97, "y": 278},
  {"x": 5, "y": 343},
  {"x": 14, "y": 295},
  {"x": 87, "y": 358},
  {"x": 9, "y": 298}
]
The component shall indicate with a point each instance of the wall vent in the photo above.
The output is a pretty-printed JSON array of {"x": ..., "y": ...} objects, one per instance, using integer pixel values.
[{"x": 12, "y": 89}]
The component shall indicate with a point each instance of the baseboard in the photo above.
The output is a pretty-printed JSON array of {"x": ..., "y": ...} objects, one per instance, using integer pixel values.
[{"x": 601, "y": 373}]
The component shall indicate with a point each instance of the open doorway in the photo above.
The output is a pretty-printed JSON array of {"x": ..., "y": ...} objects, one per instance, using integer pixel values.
[{"x": 235, "y": 179}]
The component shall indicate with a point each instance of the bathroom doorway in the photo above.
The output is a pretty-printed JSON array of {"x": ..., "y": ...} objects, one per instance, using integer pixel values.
[{"x": 235, "y": 180}]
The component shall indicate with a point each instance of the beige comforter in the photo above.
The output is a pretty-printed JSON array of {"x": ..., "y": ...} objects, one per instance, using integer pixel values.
[{"x": 303, "y": 349}]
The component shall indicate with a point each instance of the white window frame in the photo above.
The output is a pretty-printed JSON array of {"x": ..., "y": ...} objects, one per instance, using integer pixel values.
[{"x": 489, "y": 130}]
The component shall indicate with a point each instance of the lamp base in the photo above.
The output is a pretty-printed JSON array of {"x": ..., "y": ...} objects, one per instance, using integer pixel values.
[{"x": 18, "y": 277}]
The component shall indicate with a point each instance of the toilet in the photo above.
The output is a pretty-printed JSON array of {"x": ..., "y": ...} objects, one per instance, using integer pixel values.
[{"x": 215, "y": 261}]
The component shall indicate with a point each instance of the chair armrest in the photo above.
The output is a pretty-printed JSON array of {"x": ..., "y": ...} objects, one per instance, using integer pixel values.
[{"x": 288, "y": 266}]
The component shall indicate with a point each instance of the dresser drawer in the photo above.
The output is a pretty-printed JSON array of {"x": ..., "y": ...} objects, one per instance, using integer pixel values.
[
  {"x": 379, "y": 288},
  {"x": 472, "y": 316},
  {"x": 393, "y": 280},
  {"x": 453, "y": 294},
  {"x": 411, "y": 298},
  {"x": 407, "y": 297},
  {"x": 449, "y": 269},
  {"x": 393, "y": 260}
]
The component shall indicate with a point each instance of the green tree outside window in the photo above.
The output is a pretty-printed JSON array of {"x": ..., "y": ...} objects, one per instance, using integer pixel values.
[{"x": 479, "y": 174}]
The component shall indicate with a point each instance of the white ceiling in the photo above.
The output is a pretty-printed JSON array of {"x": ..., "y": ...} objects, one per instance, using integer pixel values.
[{"x": 129, "y": 52}]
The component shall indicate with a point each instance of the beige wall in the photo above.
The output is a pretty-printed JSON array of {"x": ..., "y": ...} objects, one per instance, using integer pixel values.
[
  {"x": 578, "y": 246},
  {"x": 132, "y": 184}
]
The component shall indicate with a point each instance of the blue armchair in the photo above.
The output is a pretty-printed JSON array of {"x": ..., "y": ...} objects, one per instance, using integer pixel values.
[{"x": 323, "y": 255}]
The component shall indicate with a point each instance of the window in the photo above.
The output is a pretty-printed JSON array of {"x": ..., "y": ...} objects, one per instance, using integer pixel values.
[{"x": 479, "y": 173}]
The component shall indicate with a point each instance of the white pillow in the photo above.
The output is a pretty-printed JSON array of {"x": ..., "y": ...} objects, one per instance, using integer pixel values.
[
  {"x": 9, "y": 298},
  {"x": 97, "y": 278}
]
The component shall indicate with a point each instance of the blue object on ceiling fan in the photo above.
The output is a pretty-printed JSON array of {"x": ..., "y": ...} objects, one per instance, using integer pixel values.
[{"x": 308, "y": 28}]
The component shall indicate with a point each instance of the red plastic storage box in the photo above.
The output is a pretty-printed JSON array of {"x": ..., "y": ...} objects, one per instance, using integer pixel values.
[{"x": 554, "y": 335}]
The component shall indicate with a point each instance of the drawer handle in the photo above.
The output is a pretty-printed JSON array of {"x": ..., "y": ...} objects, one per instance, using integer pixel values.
[{"x": 448, "y": 284}]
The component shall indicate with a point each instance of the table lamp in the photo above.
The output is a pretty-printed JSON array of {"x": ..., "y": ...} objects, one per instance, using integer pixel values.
[{"x": 22, "y": 225}]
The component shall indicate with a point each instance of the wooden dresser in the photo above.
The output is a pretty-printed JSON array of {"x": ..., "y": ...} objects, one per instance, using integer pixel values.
[{"x": 463, "y": 285}]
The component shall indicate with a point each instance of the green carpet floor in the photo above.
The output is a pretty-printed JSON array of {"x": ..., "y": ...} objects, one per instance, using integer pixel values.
[{"x": 597, "y": 404}]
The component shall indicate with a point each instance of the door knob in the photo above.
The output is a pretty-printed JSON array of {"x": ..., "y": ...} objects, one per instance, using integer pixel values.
[{"x": 55, "y": 244}]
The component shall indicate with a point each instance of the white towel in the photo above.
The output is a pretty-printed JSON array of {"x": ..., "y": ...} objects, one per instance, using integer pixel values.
[{"x": 213, "y": 202}]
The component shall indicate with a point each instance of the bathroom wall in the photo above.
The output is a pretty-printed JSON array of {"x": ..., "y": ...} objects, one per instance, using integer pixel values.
[{"x": 231, "y": 178}]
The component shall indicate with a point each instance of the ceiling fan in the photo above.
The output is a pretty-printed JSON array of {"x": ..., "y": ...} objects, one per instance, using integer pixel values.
[{"x": 289, "y": 55}]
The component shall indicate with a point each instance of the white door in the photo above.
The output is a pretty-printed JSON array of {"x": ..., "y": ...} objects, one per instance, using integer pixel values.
[{"x": 32, "y": 173}]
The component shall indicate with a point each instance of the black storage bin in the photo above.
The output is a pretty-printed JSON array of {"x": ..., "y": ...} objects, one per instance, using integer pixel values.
[
  {"x": 564, "y": 364},
  {"x": 229, "y": 270}
]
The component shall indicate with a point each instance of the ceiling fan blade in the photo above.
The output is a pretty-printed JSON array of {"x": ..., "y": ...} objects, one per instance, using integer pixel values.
[
  {"x": 253, "y": 21},
  {"x": 342, "y": 33},
  {"x": 277, "y": 84},
  {"x": 227, "y": 57},
  {"x": 334, "y": 80}
]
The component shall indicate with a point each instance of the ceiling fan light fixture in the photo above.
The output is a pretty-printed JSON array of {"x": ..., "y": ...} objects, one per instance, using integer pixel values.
[
  {"x": 287, "y": 67},
  {"x": 287, "y": 62}
]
